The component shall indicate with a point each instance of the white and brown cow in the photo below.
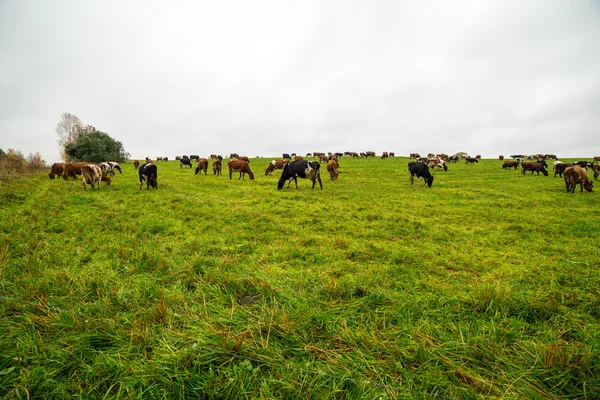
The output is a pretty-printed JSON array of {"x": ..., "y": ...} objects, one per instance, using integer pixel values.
[{"x": 91, "y": 174}]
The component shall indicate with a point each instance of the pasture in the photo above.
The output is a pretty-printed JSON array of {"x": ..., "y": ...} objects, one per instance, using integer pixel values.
[{"x": 486, "y": 285}]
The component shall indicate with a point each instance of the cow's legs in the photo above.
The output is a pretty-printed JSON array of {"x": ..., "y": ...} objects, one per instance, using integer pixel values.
[{"x": 320, "y": 183}]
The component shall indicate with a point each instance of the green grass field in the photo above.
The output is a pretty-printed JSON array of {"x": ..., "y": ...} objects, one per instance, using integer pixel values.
[{"x": 486, "y": 285}]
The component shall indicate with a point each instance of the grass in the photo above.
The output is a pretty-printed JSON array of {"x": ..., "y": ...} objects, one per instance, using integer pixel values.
[{"x": 484, "y": 286}]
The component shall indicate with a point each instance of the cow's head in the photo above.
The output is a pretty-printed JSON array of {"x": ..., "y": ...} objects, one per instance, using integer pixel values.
[
  {"x": 251, "y": 175},
  {"x": 429, "y": 181}
]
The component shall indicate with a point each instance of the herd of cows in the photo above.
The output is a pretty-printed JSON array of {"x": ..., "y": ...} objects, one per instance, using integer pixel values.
[{"x": 294, "y": 166}]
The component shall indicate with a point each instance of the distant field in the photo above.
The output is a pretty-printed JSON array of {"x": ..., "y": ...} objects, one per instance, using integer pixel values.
[{"x": 486, "y": 285}]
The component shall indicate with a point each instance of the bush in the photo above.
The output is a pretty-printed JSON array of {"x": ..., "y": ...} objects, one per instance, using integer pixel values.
[
  {"x": 12, "y": 162},
  {"x": 35, "y": 161},
  {"x": 96, "y": 146}
]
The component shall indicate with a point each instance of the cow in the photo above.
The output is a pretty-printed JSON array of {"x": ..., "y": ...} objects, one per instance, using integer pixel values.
[
  {"x": 91, "y": 174},
  {"x": 165, "y": 158},
  {"x": 57, "y": 169},
  {"x": 136, "y": 164},
  {"x": 518, "y": 156},
  {"x": 233, "y": 155},
  {"x": 242, "y": 166},
  {"x": 583, "y": 164},
  {"x": 419, "y": 170},
  {"x": 453, "y": 159},
  {"x": 559, "y": 168},
  {"x": 471, "y": 160},
  {"x": 302, "y": 168},
  {"x": 149, "y": 173},
  {"x": 437, "y": 162},
  {"x": 478, "y": 157},
  {"x": 596, "y": 171},
  {"x": 194, "y": 157},
  {"x": 392, "y": 154},
  {"x": 73, "y": 169},
  {"x": 185, "y": 161},
  {"x": 202, "y": 166},
  {"x": 500, "y": 157},
  {"x": 275, "y": 164},
  {"x": 462, "y": 154},
  {"x": 106, "y": 169},
  {"x": 322, "y": 158},
  {"x": 244, "y": 158},
  {"x": 443, "y": 156},
  {"x": 299, "y": 158},
  {"x": 339, "y": 154},
  {"x": 354, "y": 154},
  {"x": 286, "y": 156},
  {"x": 115, "y": 166},
  {"x": 159, "y": 159},
  {"x": 332, "y": 168},
  {"x": 317, "y": 154},
  {"x": 177, "y": 158},
  {"x": 511, "y": 164},
  {"x": 577, "y": 175},
  {"x": 533, "y": 167},
  {"x": 369, "y": 154},
  {"x": 415, "y": 155},
  {"x": 384, "y": 155},
  {"x": 213, "y": 156},
  {"x": 597, "y": 159},
  {"x": 217, "y": 167},
  {"x": 430, "y": 155},
  {"x": 552, "y": 156},
  {"x": 307, "y": 155}
]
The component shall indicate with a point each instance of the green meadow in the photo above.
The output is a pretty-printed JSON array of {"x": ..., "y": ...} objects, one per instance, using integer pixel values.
[{"x": 486, "y": 285}]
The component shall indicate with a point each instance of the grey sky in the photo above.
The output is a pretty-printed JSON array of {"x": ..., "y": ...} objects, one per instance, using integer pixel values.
[{"x": 266, "y": 77}]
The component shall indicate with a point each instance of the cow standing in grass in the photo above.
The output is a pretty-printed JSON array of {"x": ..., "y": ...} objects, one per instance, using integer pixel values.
[
  {"x": 275, "y": 164},
  {"x": 420, "y": 170},
  {"x": 149, "y": 174},
  {"x": 302, "y": 168},
  {"x": 332, "y": 168},
  {"x": 577, "y": 175},
  {"x": 240, "y": 166},
  {"x": 56, "y": 170},
  {"x": 217, "y": 164},
  {"x": 92, "y": 174},
  {"x": 202, "y": 166}
]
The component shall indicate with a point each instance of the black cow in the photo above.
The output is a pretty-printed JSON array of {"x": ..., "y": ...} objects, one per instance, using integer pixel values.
[
  {"x": 194, "y": 157},
  {"x": 304, "y": 169},
  {"x": 185, "y": 161},
  {"x": 419, "y": 170},
  {"x": 286, "y": 155},
  {"x": 471, "y": 160},
  {"x": 339, "y": 154},
  {"x": 584, "y": 164},
  {"x": 149, "y": 173}
]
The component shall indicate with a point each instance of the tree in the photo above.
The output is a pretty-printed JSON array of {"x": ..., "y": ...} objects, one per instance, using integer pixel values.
[
  {"x": 68, "y": 131},
  {"x": 95, "y": 146},
  {"x": 2, "y": 154}
]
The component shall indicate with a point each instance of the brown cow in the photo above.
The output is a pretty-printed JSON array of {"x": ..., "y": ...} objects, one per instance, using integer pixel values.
[
  {"x": 596, "y": 171},
  {"x": 577, "y": 175},
  {"x": 91, "y": 174},
  {"x": 597, "y": 159},
  {"x": 322, "y": 158},
  {"x": 213, "y": 156},
  {"x": 202, "y": 166},
  {"x": 500, "y": 157},
  {"x": 552, "y": 156},
  {"x": 437, "y": 162},
  {"x": 136, "y": 164},
  {"x": 240, "y": 165},
  {"x": 298, "y": 158},
  {"x": 73, "y": 169},
  {"x": 533, "y": 167},
  {"x": 384, "y": 155},
  {"x": 275, "y": 164},
  {"x": 511, "y": 164},
  {"x": 217, "y": 167},
  {"x": 393, "y": 155},
  {"x": 332, "y": 168},
  {"x": 57, "y": 169},
  {"x": 159, "y": 158},
  {"x": 244, "y": 158},
  {"x": 369, "y": 154}
]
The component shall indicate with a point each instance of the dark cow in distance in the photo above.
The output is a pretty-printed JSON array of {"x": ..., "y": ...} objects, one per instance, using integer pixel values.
[
  {"x": 194, "y": 157},
  {"x": 202, "y": 166},
  {"x": 275, "y": 164},
  {"x": 240, "y": 166},
  {"x": 511, "y": 164},
  {"x": 471, "y": 160},
  {"x": 57, "y": 169},
  {"x": 577, "y": 175},
  {"x": 286, "y": 156},
  {"x": 533, "y": 167},
  {"x": 302, "y": 168},
  {"x": 233, "y": 155},
  {"x": 420, "y": 170},
  {"x": 149, "y": 174},
  {"x": 185, "y": 160},
  {"x": 500, "y": 157},
  {"x": 415, "y": 155},
  {"x": 136, "y": 164},
  {"x": 217, "y": 164},
  {"x": 559, "y": 168},
  {"x": 369, "y": 154}
]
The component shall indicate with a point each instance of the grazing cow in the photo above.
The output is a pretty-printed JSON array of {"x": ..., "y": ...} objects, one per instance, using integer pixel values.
[
  {"x": 392, "y": 154},
  {"x": 419, "y": 170},
  {"x": 369, "y": 154},
  {"x": 597, "y": 159},
  {"x": 384, "y": 155},
  {"x": 233, "y": 155},
  {"x": 216, "y": 166},
  {"x": 302, "y": 168},
  {"x": 596, "y": 171},
  {"x": 177, "y": 158},
  {"x": 511, "y": 164},
  {"x": 194, "y": 157},
  {"x": 298, "y": 158},
  {"x": 354, "y": 154},
  {"x": 552, "y": 156},
  {"x": 213, "y": 156},
  {"x": 57, "y": 169},
  {"x": 115, "y": 166},
  {"x": 185, "y": 161},
  {"x": 453, "y": 159},
  {"x": 322, "y": 158},
  {"x": 443, "y": 156},
  {"x": 244, "y": 158},
  {"x": 202, "y": 166},
  {"x": 583, "y": 164},
  {"x": 415, "y": 155},
  {"x": 149, "y": 173},
  {"x": 437, "y": 162},
  {"x": 559, "y": 168},
  {"x": 159, "y": 159},
  {"x": 242, "y": 166},
  {"x": 577, "y": 175},
  {"x": 91, "y": 174},
  {"x": 73, "y": 169},
  {"x": 286, "y": 156},
  {"x": 332, "y": 168},
  {"x": 533, "y": 167},
  {"x": 275, "y": 164},
  {"x": 106, "y": 169},
  {"x": 339, "y": 154},
  {"x": 471, "y": 160},
  {"x": 462, "y": 154},
  {"x": 136, "y": 164},
  {"x": 478, "y": 156},
  {"x": 317, "y": 154},
  {"x": 308, "y": 155},
  {"x": 500, "y": 157}
]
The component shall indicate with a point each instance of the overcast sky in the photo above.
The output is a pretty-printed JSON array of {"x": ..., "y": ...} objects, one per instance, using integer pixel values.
[{"x": 265, "y": 77}]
